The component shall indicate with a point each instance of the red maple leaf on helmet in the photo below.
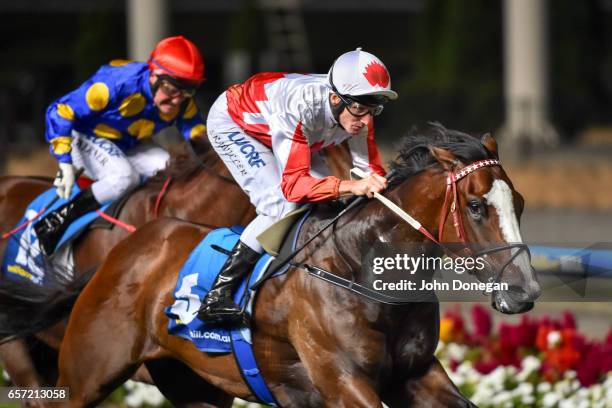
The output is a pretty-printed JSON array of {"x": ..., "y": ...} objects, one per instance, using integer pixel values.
[{"x": 376, "y": 74}]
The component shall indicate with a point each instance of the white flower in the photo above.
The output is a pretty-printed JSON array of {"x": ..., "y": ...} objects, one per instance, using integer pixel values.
[
  {"x": 482, "y": 396},
  {"x": 456, "y": 351},
  {"x": 550, "y": 399},
  {"x": 139, "y": 394},
  {"x": 596, "y": 392},
  {"x": 497, "y": 377},
  {"x": 465, "y": 368},
  {"x": 553, "y": 339},
  {"x": 133, "y": 399},
  {"x": 529, "y": 365},
  {"x": 524, "y": 389},
  {"x": 528, "y": 399},
  {"x": 562, "y": 387},
  {"x": 501, "y": 398},
  {"x": 569, "y": 374},
  {"x": 510, "y": 371},
  {"x": 153, "y": 396},
  {"x": 544, "y": 387},
  {"x": 583, "y": 393},
  {"x": 575, "y": 384}
]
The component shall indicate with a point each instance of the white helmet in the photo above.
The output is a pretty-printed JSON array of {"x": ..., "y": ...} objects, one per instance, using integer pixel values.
[{"x": 360, "y": 74}]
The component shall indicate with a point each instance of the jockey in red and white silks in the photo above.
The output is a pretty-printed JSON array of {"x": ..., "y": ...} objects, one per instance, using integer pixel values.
[
  {"x": 274, "y": 157},
  {"x": 269, "y": 131}
]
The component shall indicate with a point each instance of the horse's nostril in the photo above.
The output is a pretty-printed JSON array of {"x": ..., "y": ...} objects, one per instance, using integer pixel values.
[{"x": 517, "y": 294}]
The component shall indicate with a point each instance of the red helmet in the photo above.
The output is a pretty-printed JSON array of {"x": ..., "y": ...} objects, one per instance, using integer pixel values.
[{"x": 178, "y": 58}]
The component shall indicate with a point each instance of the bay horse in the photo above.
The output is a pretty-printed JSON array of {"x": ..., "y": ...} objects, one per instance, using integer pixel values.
[
  {"x": 198, "y": 180},
  {"x": 316, "y": 344}
]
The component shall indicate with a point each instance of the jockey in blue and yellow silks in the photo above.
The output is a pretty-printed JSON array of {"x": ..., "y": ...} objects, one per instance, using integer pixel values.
[{"x": 105, "y": 125}]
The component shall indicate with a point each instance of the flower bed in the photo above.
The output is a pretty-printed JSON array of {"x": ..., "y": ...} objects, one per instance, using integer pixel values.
[{"x": 538, "y": 362}]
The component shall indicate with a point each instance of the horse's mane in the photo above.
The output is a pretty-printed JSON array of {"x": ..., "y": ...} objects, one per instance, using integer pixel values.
[
  {"x": 186, "y": 160},
  {"x": 414, "y": 155}
]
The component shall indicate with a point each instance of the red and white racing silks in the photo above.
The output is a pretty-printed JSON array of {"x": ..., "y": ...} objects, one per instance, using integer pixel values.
[{"x": 290, "y": 114}]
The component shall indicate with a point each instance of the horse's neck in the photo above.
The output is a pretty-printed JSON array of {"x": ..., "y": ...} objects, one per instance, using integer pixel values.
[
  {"x": 373, "y": 226},
  {"x": 209, "y": 192}
]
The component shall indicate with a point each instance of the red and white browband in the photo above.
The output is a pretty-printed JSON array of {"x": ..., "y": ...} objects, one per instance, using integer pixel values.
[{"x": 475, "y": 166}]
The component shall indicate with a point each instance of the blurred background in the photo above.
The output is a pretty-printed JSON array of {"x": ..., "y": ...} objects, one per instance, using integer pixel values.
[{"x": 535, "y": 73}]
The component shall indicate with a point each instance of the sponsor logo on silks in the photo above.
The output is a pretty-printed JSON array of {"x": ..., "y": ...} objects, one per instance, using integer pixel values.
[
  {"x": 18, "y": 270},
  {"x": 247, "y": 148},
  {"x": 196, "y": 334},
  {"x": 229, "y": 154}
]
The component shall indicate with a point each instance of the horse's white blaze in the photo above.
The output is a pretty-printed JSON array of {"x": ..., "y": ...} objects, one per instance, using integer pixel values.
[{"x": 500, "y": 197}]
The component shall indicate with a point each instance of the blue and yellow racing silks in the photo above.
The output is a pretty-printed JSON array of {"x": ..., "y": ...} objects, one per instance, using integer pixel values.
[{"x": 116, "y": 104}]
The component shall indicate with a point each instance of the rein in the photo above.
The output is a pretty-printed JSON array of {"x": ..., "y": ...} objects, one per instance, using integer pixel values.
[{"x": 451, "y": 202}]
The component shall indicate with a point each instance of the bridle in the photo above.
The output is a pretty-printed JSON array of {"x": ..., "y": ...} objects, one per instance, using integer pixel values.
[
  {"x": 451, "y": 205},
  {"x": 450, "y": 201},
  {"x": 451, "y": 192}
]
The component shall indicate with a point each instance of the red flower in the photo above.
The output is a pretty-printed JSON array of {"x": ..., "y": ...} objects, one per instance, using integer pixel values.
[
  {"x": 481, "y": 318},
  {"x": 485, "y": 367},
  {"x": 568, "y": 321},
  {"x": 542, "y": 337}
]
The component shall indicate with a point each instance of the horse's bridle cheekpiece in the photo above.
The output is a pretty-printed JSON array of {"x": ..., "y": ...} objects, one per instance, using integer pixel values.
[{"x": 451, "y": 188}]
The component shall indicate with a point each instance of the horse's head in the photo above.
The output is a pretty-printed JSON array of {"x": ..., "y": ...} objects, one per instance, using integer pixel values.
[{"x": 472, "y": 201}]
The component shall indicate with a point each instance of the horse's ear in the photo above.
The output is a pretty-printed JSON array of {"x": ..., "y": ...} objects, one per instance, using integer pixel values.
[
  {"x": 490, "y": 144},
  {"x": 444, "y": 157}
]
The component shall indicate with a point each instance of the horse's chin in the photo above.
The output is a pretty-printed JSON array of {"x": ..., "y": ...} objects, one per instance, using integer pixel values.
[{"x": 504, "y": 303}]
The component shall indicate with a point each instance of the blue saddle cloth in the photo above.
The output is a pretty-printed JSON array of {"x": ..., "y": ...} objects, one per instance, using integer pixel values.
[
  {"x": 22, "y": 257},
  {"x": 195, "y": 280}
]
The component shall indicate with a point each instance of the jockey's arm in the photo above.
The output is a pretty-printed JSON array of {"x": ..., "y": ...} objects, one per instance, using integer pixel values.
[
  {"x": 191, "y": 123},
  {"x": 292, "y": 150},
  {"x": 63, "y": 115}
]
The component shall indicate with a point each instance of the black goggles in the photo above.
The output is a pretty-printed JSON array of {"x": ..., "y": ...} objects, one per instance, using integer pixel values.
[
  {"x": 359, "y": 109},
  {"x": 174, "y": 87}
]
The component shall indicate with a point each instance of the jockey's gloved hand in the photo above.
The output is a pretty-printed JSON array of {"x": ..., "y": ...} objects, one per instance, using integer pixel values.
[
  {"x": 367, "y": 186},
  {"x": 64, "y": 180}
]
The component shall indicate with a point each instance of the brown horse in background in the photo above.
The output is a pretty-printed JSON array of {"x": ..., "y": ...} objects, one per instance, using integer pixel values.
[
  {"x": 316, "y": 344},
  {"x": 199, "y": 189},
  {"x": 198, "y": 175}
]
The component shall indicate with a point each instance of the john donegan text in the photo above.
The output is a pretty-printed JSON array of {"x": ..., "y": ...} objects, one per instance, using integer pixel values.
[{"x": 455, "y": 284}]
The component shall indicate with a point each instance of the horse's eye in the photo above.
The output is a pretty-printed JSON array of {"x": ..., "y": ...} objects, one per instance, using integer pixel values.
[{"x": 475, "y": 208}]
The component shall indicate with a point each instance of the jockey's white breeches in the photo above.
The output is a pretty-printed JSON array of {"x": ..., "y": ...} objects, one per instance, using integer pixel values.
[
  {"x": 115, "y": 172},
  {"x": 255, "y": 168}
]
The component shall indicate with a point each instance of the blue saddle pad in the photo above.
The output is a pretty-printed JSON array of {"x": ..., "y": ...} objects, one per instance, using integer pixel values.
[
  {"x": 22, "y": 257},
  {"x": 195, "y": 280}
]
